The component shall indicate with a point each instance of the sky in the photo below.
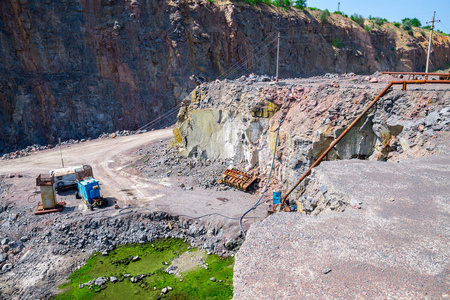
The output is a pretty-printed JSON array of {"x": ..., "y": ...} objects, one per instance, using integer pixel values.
[{"x": 392, "y": 10}]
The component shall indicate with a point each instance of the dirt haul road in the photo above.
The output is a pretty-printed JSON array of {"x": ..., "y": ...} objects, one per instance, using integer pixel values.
[{"x": 109, "y": 158}]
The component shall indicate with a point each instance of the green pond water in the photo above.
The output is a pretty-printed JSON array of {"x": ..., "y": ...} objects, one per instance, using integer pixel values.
[{"x": 153, "y": 259}]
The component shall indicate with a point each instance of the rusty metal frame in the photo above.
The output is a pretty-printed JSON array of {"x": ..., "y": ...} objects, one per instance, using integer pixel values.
[
  {"x": 404, "y": 83},
  {"x": 45, "y": 180},
  {"x": 414, "y": 74},
  {"x": 237, "y": 179}
]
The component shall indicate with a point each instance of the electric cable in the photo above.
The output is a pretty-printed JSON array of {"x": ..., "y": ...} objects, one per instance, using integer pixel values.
[
  {"x": 242, "y": 65},
  {"x": 271, "y": 167},
  {"x": 253, "y": 64},
  {"x": 36, "y": 191},
  {"x": 442, "y": 23},
  {"x": 161, "y": 117},
  {"x": 242, "y": 61},
  {"x": 122, "y": 212}
]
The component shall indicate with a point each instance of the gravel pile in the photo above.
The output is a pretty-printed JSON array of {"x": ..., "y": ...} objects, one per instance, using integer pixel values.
[{"x": 161, "y": 160}]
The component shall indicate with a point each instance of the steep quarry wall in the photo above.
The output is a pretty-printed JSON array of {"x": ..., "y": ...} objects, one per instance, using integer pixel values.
[
  {"x": 237, "y": 121},
  {"x": 75, "y": 69}
]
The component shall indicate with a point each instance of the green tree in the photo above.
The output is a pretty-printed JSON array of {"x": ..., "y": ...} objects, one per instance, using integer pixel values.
[
  {"x": 358, "y": 19},
  {"x": 300, "y": 4},
  {"x": 407, "y": 25},
  {"x": 324, "y": 15},
  {"x": 278, "y": 3},
  {"x": 414, "y": 22}
]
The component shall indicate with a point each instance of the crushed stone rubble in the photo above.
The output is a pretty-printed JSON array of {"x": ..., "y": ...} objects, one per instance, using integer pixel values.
[
  {"x": 161, "y": 160},
  {"x": 25, "y": 239}
]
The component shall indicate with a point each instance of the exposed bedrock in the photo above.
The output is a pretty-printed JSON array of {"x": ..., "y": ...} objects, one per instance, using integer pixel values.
[
  {"x": 237, "y": 121},
  {"x": 75, "y": 69}
]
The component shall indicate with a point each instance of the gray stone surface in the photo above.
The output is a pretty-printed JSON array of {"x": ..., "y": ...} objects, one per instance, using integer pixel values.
[{"x": 385, "y": 250}]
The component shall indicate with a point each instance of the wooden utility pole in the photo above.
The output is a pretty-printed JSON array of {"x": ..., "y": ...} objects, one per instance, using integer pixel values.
[
  {"x": 278, "y": 55},
  {"x": 430, "y": 41},
  {"x": 60, "y": 151}
]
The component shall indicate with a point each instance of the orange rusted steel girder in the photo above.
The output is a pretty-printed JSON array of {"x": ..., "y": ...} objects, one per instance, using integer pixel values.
[
  {"x": 383, "y": 92},
  {"x": 422, "y": 81},
  {"x": 415, "y": 73}
]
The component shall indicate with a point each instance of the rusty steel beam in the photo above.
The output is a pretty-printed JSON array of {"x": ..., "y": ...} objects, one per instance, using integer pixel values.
[
  {"x": 383, "y": 92},
  {"x": 415, "y": 73},
  {"x": 422, "y": 81}
]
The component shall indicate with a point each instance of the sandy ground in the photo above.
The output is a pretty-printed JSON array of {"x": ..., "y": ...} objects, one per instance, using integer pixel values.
[
  {"x": 109, "y": 159},
  {"x": 394, "y": 247}
]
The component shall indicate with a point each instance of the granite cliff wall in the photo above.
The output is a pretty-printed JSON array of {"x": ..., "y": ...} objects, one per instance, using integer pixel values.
[{"x": 75, "y": 69}]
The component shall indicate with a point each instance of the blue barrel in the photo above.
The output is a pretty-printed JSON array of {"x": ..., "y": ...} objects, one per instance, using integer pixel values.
[{"x": 276, "y": 197}]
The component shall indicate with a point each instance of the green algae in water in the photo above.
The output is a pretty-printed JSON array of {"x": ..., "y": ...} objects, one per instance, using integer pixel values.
[{"x": 196, "y": 282}]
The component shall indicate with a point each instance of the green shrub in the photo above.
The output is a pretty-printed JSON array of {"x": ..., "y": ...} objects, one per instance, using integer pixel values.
[
  {"x": 324, "y": 15},
  {"x": 380, "y": 21},
  {"x": 422, "y": 33},
  {"x": 441, "y": 32},
  {"x": 338, "y": 13},
  {"x": 407, "y": 25},
  {"x": 426, "y": 27},
  {"x": 367, "y": 28},
  {"x": 282, "y": 3},
  {"x": 396, "y": 24},
  {"x": 300, "y": 4},
  {"x": 414, "y": 22},
  {"x": 336, "y": 43},
  {"x": 313, "y": 8},
  {"x": 358, "y": 19}
]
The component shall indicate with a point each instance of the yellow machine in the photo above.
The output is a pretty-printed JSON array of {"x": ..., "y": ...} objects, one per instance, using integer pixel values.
[{"x": 49, "y": 203}]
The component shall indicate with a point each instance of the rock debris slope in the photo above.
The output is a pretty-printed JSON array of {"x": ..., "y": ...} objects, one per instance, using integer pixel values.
[{"x": 394, "y": 247}]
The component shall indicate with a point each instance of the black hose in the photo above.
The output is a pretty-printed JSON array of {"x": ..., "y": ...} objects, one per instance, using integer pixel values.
[
  {"x": 273, "y": 162},
  {"x": 121, "y": 212}
]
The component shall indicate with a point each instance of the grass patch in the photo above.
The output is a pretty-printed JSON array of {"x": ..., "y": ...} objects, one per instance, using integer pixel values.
[
  {"x": 336, "y": 43},
  {"x": 196, "y": 283}
]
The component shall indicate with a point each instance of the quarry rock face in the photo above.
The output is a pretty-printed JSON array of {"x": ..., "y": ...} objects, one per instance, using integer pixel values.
[
  {"x": 76, "y": 69},
  {"x": 237, "y": 121}
]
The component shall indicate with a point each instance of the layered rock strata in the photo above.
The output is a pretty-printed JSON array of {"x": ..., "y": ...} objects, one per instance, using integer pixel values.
[{"x": 74, "y": 69}]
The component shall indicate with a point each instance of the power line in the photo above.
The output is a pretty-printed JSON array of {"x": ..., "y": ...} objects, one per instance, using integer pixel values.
[
  {"x": 243, "y": 61},
  {"x": 442, "y": 23},
  {"x": 253, "y": 64}
]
